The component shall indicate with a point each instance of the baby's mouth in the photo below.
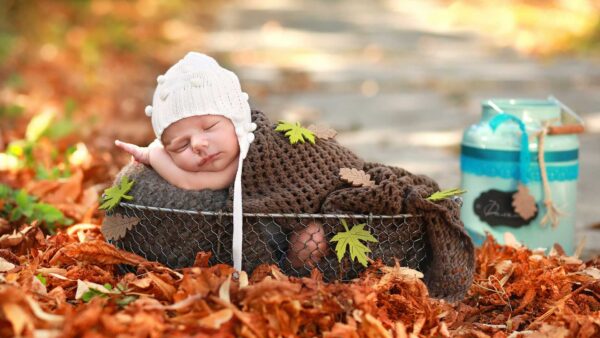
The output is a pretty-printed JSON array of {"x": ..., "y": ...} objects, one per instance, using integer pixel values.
[{"x": 208, "y": 159}]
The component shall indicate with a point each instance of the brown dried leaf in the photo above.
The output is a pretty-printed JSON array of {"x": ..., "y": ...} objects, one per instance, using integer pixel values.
[
  {"x": 357, "y": 178},
  {"x": 374, "y": 328},
  {"x": 224, "y": 290},
  {"x": 216, "y": 319},
  {"x": 18, "y": 317},
  {"x": 116, "y": 227},
  {"x": 202, "y": 259},
  {"x": 5, "y": 265},
  {"x": 68, "y": 191},
  {"x": 341, "y": 330},
  {"x": 95, "y": 252},
  {"x": 143, "y": 283},
  {"x": 322, "y": 132},
  {"x": 167, "y": 290},
  {"x": 527, "y": 299},
  {"x": 524, "y": 203},
  {"x": 550, "y": 331}
]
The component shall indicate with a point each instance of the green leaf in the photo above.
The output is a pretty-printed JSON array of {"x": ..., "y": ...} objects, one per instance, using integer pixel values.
[
  {"x": 42, "y": 279},
  {"x": 48, "y": 213},
  {"x": 295, "y": 132},
  {"x": 24, "y": 203},
  {"x": 126, "y": 300},
  {"x": 352, "y": 239},
  {"x": 107, "y": 286},
  {"x": 91, "y": 293},
  {"x": 5, "y": 191},
  {"x": 440, "y": 195},
  {"x": 113, "y": 195}
]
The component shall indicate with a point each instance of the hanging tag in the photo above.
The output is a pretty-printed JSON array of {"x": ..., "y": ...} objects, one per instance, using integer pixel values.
[{"x": 524, "y": 203}]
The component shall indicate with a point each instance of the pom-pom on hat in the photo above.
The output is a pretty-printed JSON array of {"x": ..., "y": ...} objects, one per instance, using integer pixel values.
[{"x": 198, "y": 85}]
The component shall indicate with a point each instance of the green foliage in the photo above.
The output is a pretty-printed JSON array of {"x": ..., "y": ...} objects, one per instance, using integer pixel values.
[
  {"x": 352, "y": 239},
  {"x": 441, "y": 195},
  {"x": 44, "y": 124},
  {"x": 295, "y": 132},
  {"x": 11, "y": 111},
  {"x": 91, "y": 293},
  {"x": 17, "y": 204},
  {"x": 125, "y": 300},
  {"x": 113, "y": 195},
  {"x": 42, "y": 279}
]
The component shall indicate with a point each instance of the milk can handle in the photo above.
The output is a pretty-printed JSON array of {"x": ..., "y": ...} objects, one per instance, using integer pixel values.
[
  {"x": 524, "y": 156},
  {"x": 568, "y": 128}
]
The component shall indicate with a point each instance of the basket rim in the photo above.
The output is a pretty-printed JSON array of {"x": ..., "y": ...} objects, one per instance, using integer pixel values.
[{"x": 275, "y": 215}]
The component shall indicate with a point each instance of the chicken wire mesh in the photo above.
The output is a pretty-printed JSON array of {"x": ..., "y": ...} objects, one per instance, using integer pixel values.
[{"x": 296, "y": 243}]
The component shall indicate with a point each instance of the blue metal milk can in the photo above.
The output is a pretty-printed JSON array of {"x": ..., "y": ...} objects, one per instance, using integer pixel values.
[{"x": 526, "y": 142}]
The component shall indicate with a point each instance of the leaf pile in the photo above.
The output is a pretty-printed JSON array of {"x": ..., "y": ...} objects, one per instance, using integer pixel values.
[{"x": 67, "y": 285}]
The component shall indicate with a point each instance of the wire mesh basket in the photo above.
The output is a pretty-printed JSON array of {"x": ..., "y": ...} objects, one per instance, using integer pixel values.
[{"x": 297, "y": 243}]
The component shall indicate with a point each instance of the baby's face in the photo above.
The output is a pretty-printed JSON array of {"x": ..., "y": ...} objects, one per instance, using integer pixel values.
[{"x": 202, "y": 143}]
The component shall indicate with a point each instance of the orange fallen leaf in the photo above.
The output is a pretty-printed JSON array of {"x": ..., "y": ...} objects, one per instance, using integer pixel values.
[
  {"x": 166, "y": 290},
  {"x": 216, "y": 319},
  {"x": 95, "y": 252}
]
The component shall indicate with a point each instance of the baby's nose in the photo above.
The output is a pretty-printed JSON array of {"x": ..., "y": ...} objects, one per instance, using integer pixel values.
[{"x": 199, "y": 143}]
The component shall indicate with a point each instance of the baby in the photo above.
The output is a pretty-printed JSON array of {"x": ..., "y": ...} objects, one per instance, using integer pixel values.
[
  {"x": 208, "y": 140},
  {"x": 203, "y": 134}
]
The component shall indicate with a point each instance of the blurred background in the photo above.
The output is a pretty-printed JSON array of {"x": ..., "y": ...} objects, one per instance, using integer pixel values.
[{"x": 399, "y": 80}]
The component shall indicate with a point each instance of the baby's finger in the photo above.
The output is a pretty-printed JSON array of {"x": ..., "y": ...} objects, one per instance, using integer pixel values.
[
  {"x": 132, "y": 149},
  {"x": 128, "y": 147}
]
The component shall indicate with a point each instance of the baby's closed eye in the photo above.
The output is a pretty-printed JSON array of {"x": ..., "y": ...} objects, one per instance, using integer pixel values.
[{"x": 178, "y": 146}]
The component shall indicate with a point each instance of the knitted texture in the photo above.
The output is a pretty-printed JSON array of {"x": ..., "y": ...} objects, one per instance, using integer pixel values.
[
  {"x": 304, "y": 178},
  {"x": 279, "y": 177},
  {"x": 175, "y": 240}
]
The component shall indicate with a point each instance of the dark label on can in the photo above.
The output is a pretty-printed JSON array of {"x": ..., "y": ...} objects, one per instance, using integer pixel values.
[{"x": 494, "y": 207}]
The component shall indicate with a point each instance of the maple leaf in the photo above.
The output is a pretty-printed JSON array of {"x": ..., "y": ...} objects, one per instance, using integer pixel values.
[
  {"x": 295, "y": 132},
  {"x": 357, "y": 178},
  {"x": 113, "y": 195},
  {"x": 352, "y": 239},
  {"x": 440, "y": 195}
]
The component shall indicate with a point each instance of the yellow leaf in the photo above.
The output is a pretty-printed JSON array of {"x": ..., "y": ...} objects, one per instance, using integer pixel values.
[
  {"x": 38, "y": 125},
  {"x": 295, "y": 132},
  {"x": 351, "y": 239}
]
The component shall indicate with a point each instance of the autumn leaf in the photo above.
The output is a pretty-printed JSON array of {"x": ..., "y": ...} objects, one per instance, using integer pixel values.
[
  {"x": 116, "y": 227},
  {"x": 88, "y": 290},
  {"x": 95, "y": 252},
  {"x": 441, "y": 195},
  {"x": 322, "y": 132},
  {"x": 214, "y": 320},
  {"x": 357, "y": 178},
  {"x": 295, "y": 132},
  {"x": 113, "y": 195},
  {"x": 352, "y": 239},
  {"x": 524, "y": 203}
]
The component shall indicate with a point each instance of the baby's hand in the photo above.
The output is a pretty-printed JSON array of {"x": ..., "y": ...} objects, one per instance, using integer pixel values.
[{"x": 140, "y": 154}]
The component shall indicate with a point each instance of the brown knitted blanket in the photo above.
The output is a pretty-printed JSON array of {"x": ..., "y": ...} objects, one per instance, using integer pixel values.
[
  {"x": 279, "y": 177},
  {"x": 303, "y": 178}
]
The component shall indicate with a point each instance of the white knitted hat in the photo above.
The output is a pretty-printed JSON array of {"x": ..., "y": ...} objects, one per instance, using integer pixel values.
[{"x": 198, "y": 85}]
